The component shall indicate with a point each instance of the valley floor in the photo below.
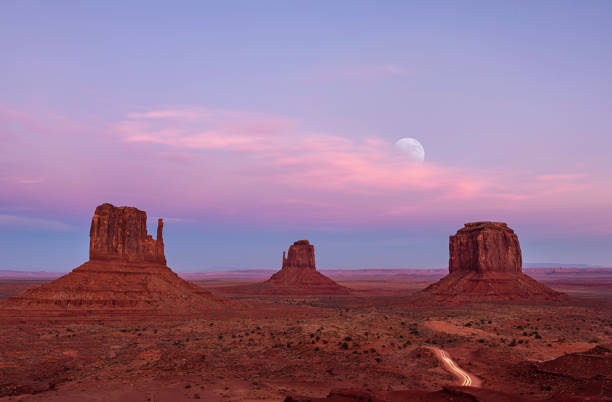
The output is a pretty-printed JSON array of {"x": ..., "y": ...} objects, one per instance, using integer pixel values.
[{"x": 308, "y": 347}]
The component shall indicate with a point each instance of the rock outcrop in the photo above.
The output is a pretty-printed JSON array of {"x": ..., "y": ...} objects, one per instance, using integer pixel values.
[
  {"x": 485, "y": 263},
  {"x": 120, "y": 233},
  {"x": 298, "y": 276},
  {"x": 301, "y": 255},
  {"x": 127, "y": 269},
  {"x": 485, "y": 247}
]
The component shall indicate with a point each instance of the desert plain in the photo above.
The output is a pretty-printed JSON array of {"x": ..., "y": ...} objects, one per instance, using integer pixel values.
[{"x": 278, "y": 346}]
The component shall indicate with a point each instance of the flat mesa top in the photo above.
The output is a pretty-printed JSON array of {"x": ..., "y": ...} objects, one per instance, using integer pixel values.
[
  {"x": 301, "y": 242},
  {"x": 484, "y": 225},
  {"x": 107, "y": 207}
]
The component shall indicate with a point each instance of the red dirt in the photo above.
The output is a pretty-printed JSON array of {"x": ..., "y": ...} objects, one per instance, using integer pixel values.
[{"x": 266, "y": 351}]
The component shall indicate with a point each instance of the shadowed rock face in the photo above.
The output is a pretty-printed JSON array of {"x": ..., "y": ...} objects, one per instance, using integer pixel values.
[
  {"x": 121, "y": 233},
  {"x": 485, "y": 247},
  {"x": 301, "y": 255}
]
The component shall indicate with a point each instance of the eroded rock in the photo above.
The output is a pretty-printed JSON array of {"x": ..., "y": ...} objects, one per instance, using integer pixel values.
[
  {"x": 485, "y": 264},
  {"x": 121, "y": 233},
  {"x": 485, "y": 247}
]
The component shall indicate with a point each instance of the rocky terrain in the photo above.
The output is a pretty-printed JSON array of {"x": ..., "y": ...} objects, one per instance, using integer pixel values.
[{"x": 307, "y": 347}]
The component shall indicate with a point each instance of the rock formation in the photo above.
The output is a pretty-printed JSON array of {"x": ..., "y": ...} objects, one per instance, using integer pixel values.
[
  {"x": 126, "y": 269},
  {"x": 301, "y": 255},
  {"x": 485, "y": 247},
  {"x": 485, "y": 263},
  {"x": 298, "y": 276},
  {"x": 120, "y": 233}
]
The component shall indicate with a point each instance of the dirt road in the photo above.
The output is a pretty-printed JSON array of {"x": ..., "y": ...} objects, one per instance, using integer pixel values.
[{"x": 467, "y": 379}]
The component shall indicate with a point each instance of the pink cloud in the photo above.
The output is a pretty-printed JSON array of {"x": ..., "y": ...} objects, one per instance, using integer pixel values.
[
  {"x": 246, "y": 166},
  {"x": 201, "y": 128},
  {"x": 30, "y": 181},
  {"x": 281, "y": 150},
  {"x": 561, "y": 177}
]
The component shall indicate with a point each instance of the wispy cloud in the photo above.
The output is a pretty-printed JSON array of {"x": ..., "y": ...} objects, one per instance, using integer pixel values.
[
  {"x": 396, "y": 69},
  {"x": 202, "y": 128},
  {"x": 30, "y": 223},
  {"x": 561, "y": 177},
  {"x": 281, "y": 150},
  {"x": 29, "y": 181}
]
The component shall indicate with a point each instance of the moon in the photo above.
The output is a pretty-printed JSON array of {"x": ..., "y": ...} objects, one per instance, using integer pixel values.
[{"x": 412, "y": 148}]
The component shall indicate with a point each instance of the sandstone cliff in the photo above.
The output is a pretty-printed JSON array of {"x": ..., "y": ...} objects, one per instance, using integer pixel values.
[
  {"x": 121, "y": 233},
  {"x": 485, "y": 247},
  {"x": 301, "y": 255}
]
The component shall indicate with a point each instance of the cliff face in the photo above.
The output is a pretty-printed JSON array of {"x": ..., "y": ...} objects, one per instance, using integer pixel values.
[
  {"x": 301, "y": 255},
  {"x": 485, "y": 247},
  {"x": 120, "y": 233}
]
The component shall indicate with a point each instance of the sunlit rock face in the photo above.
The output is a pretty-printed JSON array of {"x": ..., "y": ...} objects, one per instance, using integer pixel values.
[
  {"x": 121, "y": 233},
  {"x": 485, "y": 247}
]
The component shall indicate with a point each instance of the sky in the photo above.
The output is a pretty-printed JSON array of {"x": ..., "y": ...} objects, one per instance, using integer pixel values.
[{"x": 249, "y": 125}]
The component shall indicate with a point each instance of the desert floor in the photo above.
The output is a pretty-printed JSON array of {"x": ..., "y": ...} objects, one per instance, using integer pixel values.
[{"x": 281, "y": 346}]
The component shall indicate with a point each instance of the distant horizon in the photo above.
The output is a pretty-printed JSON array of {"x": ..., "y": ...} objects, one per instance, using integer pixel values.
[{"x": 230, "y": 269}]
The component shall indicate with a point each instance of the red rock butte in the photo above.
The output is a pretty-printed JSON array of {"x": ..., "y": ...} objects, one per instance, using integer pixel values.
[
  {"x": 126, "y": 269},
  {"x": 121, "y": 234},
  {"x": 485, "y": 263},
  {"x": 298, "y": 276}
]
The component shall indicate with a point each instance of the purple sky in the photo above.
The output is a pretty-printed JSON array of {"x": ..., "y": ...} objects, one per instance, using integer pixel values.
[{"x": 253, "y": 124}]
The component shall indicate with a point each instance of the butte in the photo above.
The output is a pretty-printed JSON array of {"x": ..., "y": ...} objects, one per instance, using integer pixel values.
[
  {"x": 485, "y": 264},
  {"x": 126, "y": 272},
  {"x": 297, "y": 277}
]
